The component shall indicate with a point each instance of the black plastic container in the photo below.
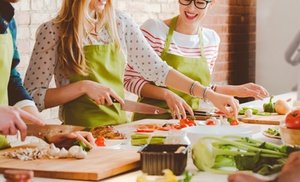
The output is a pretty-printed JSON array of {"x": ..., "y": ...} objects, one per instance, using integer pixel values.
[{"x": 157, "y": 157}]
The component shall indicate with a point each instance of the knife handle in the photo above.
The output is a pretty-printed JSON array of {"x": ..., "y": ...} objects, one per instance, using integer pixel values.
[
  {"x": 199, "y": 113},
  {"x": 113, "y": 100}
]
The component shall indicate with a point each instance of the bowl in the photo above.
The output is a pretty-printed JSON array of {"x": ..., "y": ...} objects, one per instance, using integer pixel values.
[
  {"x": 290, "y": 136},
  {"x": 196, "y": 132},
  {"x": 157, "y": 157}
]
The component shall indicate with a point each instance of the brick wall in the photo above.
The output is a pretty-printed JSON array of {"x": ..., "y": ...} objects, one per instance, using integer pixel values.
[{"x": 234, "y": 21}]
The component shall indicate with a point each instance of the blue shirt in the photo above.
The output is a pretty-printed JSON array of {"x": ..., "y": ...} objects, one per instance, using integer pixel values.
[{"x": 16, "y": 91}]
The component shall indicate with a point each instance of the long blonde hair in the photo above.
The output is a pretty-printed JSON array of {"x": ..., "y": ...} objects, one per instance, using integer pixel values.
[{"x": 72, "y": 17}]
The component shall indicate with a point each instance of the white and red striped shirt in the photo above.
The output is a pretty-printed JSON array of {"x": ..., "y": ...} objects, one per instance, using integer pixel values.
[{"x": 155, "y": 31}]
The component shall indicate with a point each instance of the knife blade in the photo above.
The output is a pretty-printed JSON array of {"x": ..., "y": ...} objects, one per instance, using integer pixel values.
[
  {"x": 51, "y": 130},
  {"x": 142, "y": 108},
  {"x": 204, "y": 113}
]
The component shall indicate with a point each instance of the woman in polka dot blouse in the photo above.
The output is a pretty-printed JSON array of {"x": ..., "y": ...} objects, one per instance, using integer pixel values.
[
  {"x": 189, "y": 49},
  {"x": 86, "y": 48}
]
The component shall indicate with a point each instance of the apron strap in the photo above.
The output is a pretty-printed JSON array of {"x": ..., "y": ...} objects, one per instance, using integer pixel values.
[
  {"x": 169, "y": 36},
  {"x": 201, "y": 44}
]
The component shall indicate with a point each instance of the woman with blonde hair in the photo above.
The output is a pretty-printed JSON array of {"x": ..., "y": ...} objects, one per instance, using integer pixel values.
[{"x": 86, "y": 47}]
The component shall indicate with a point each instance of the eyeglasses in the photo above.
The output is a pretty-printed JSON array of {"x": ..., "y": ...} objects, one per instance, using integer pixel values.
[{"x": 200, "y": 4}]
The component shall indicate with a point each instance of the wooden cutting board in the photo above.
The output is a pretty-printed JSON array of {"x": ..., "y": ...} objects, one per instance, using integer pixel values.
[
  {"x": 100, "y": 163},
  {"x": 274, "y": 119}
]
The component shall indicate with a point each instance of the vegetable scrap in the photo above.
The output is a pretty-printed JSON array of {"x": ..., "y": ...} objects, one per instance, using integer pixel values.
[{"x": 47, "y": 151}]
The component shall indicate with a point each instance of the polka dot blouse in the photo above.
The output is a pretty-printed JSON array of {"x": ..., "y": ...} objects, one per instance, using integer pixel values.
[{"x": 43, "y": 64}]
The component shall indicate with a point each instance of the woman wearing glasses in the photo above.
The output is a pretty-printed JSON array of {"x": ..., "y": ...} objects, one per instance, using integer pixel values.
[
  {"x": 86, "y": 48},
  {"x": 188, "y": 48}
]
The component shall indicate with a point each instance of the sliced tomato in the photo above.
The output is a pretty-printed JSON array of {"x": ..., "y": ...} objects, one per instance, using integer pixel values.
[
  {"x": 145, "y": 130},
  {"x": 220, "y": 112},
  {"x": 163, "y": 128},
  {"x": 210, "y": 122},
  {"x": 184, "y": 121},
  {"x": 177, "y": 126},
  {"x": 100, "y": 141},
  {"x": 192, "y": 123},
  {"x": 234, "y": 122},
  {"x": 184, "y": 125}
]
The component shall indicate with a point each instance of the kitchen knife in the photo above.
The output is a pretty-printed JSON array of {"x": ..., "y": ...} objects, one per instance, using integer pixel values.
[
  {"x": 50, "y": 130},
  {"x": 204, "y": 113},
  {"x": 142, "y": 108},
  {"x": 138, "y": 107}
]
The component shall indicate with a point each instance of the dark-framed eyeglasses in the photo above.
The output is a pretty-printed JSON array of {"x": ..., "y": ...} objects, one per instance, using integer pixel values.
[{"x": 200, "y": 4}]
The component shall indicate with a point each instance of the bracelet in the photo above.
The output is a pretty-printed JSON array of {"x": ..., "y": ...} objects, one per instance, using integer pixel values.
[
  {"x": 192, "y": 88},
  {"x": 204, "y": 93},
  {"x": 213, "y": 87}
]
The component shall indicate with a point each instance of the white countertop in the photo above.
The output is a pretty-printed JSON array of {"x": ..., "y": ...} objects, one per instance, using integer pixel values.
[{"x": 199, "y": 175}]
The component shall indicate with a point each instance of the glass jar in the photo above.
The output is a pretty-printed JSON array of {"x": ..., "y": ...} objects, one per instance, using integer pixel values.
[
  {"x": 13, "y": 175},
  {"x": 177, "y": 137}
]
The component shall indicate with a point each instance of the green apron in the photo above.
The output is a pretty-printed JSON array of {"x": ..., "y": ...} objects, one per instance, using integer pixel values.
[
  {"x": 107, "y": 65},
  {"x": 194, "y": 68},
  {"x": 6, "y": 56}
]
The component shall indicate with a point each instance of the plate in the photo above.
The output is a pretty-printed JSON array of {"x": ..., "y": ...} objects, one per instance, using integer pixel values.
[
  {"x": 265, "y": 133},
  {"x": 270, "y": 135},
  {"x": 196, "y": 132}
]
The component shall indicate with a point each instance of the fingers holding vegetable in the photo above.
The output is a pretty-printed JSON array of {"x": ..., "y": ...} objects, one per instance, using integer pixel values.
[
  {"x": 177, "y": 106},
  {"x": 221, "y": 101},
  {"x": 67, "y": 140}
]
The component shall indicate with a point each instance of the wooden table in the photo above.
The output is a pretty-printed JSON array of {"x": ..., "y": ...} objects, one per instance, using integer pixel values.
[{"x": 199, "y": 176}]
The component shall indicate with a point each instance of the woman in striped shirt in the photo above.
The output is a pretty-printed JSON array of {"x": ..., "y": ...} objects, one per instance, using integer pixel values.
[{"x": 188, "y": 48}]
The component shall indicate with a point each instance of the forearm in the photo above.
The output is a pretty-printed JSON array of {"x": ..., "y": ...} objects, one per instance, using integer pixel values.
[
  {"x": 154, "y": 92},
  {"x": 226, "y": 89},
  {"x": 61, "y": 95},
  {"x": 182, "y": 83}
]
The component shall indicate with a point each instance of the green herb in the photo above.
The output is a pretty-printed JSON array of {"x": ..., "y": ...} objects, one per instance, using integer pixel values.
[
  {"x": 263, "y": 113},
  {"x": 212, "y": 153},
  {"x": 82, "y": 145},
  {"x": 273, "y": 132},
  {"x": 187, "y": 176},
  {"x": 230, "y": 119},
  {"x": 243, "y": 110}
]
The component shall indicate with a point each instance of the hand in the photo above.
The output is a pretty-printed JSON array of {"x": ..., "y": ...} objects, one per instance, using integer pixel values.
[
  {"x": 177, "y": 105},
  {"x": 12, "y": 119},
  {"x": 67, "y": 140},
  {"x": 243, "y": 177},
  {"x": 251, "y": 90},
  {"x": 290, "y": 171},
  {"x": 221, "y": 101},
  {"x": 101, "y": 94},
  {"x": 293, "y": 159}
]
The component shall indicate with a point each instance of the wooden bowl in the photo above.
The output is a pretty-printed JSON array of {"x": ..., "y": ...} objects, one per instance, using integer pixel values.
[{"x": 290, "y": 136}]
